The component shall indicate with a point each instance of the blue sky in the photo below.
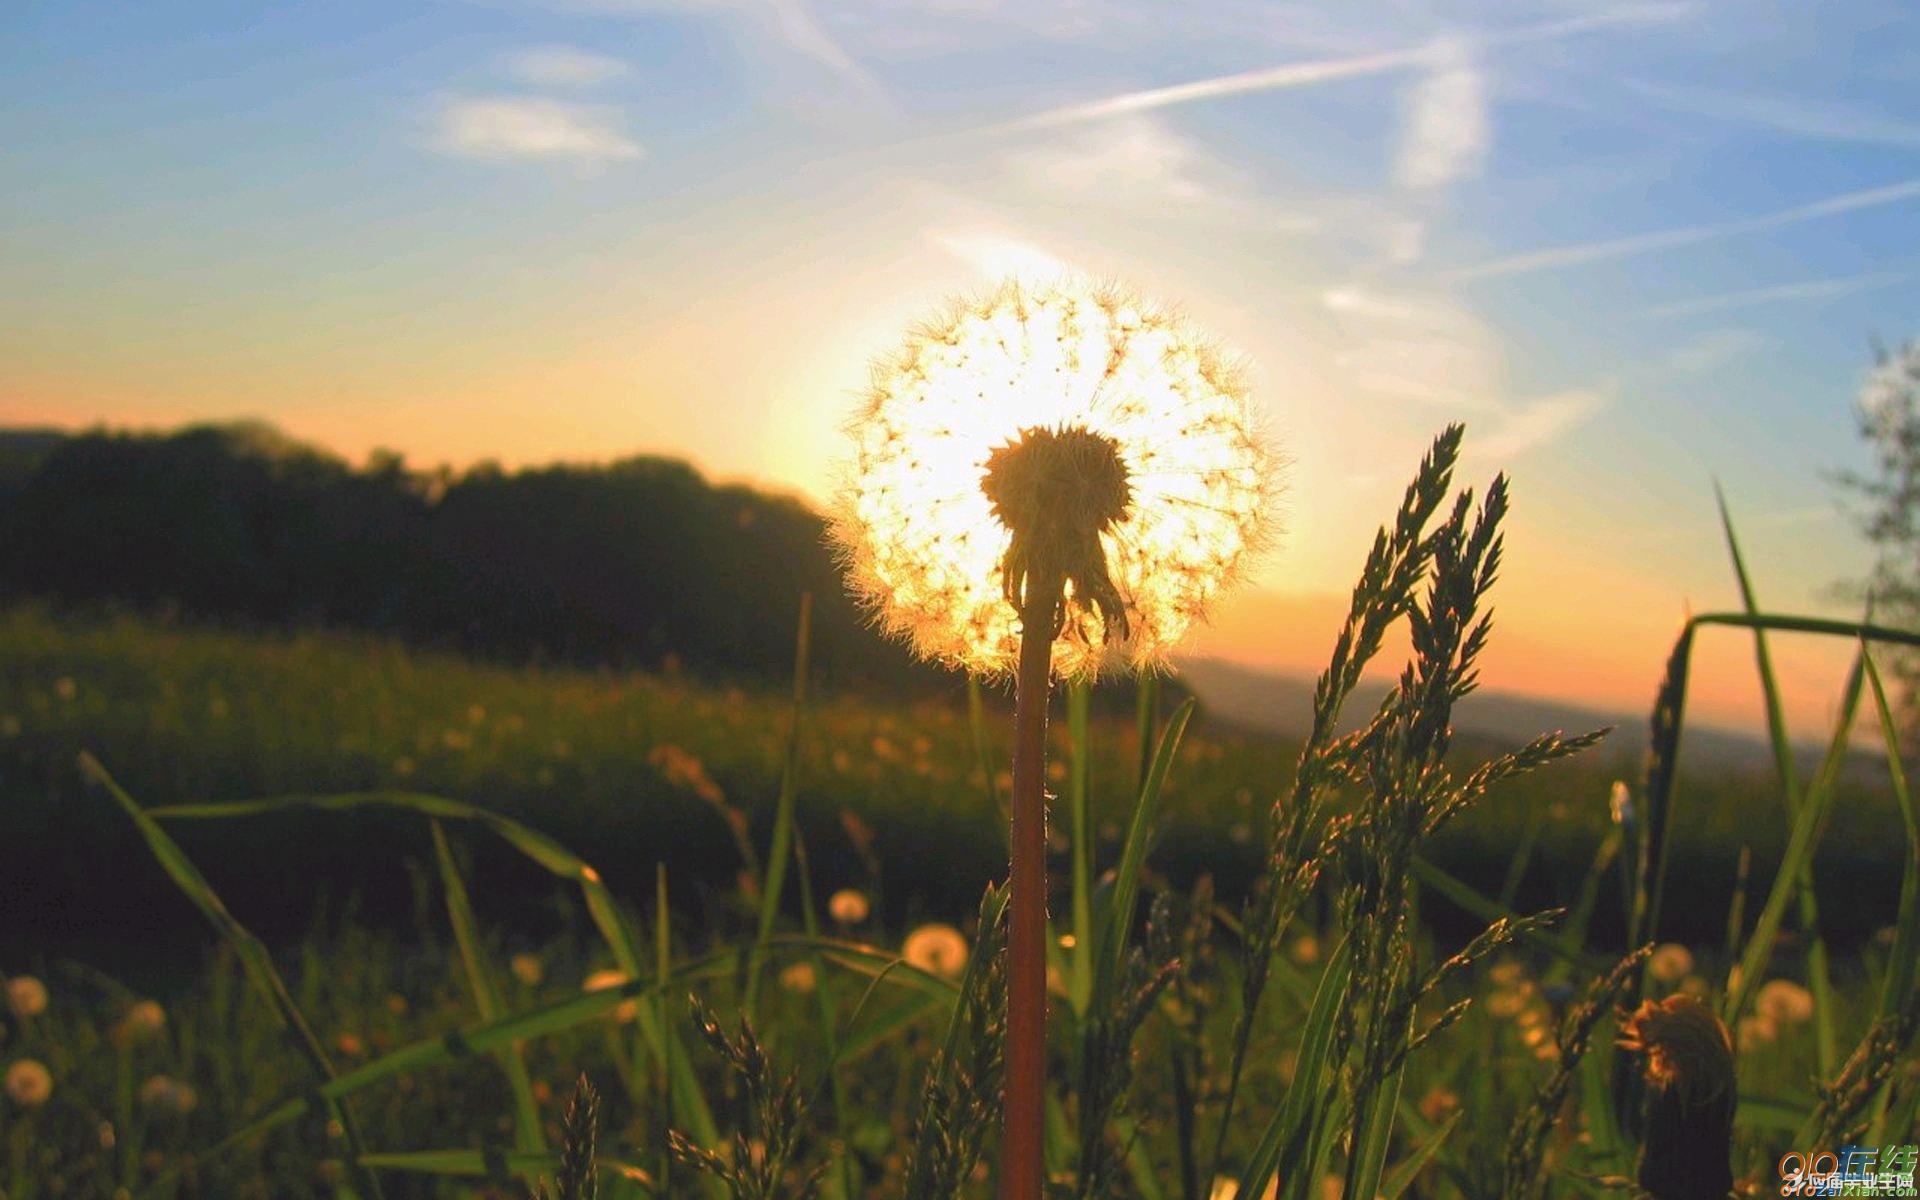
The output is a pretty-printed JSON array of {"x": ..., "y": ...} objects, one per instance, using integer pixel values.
[{"x": 1635, "y": 246}]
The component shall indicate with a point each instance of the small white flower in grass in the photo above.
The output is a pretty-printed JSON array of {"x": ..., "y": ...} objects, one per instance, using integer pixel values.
[
  {"x": 29, "y": 1083},
  {"x": 601, "y": 981},
  {"x": 1110, "y": 438},
  {"x": 848, "y": 907},
  {"x": 936, "y": 949},
  {"x": 26, "y": 996}
]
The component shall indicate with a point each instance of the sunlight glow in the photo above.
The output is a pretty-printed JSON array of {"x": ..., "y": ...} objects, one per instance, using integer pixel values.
[{"x": 920, "y": 541}]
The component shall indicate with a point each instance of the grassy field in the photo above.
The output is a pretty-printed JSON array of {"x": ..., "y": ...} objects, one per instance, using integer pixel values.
[{"x": 668, "y": 783}]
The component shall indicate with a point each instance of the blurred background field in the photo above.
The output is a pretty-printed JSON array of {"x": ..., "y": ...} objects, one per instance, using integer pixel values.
[{"x": 638, "y": 768}]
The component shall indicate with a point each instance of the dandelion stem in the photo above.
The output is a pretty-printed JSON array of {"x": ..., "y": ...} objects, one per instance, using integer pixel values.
[{"x": 1023, "y": 1166}]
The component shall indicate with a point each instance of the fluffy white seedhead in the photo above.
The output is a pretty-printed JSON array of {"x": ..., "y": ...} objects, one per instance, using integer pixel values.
[{"x": 921, "y": 539}]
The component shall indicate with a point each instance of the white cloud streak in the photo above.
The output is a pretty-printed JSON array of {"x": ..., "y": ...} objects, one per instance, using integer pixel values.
[
  {"x": 1800, "y": 117},
  {"x": 1540, "y": 422},
  {"x": 1802, "y": 291},
  {"x": 532, "y": 128},
  {"x": 1555, "y": 257},
  {"x": 564, "y": 66},
  {"x": 1329, "y": 70}
]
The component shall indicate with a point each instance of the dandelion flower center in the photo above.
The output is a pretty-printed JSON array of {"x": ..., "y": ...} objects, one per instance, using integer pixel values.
[{"x": 1057, "y": 491}]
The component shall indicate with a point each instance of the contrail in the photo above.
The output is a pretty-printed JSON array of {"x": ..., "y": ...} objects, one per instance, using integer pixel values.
[
  {"x": 1807, "y": 289},
  {"x": 1327, "y": 70},
  {"x": 1642, "y": 243}
]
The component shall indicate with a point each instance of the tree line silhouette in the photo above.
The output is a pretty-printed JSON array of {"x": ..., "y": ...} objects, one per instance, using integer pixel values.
[{"x": 636, "y": 562}]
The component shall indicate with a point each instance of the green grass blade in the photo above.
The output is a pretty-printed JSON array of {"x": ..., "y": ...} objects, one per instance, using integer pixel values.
[
  {"x": 1396, "y": 1184},
  {"x": 1117, "y": 922},
  {"x": 1903, "y": 963},
  {"x": 527, "y": 1135},
  {"x": 1292, "y": 1129},
  {"x": 252, "y": 953},
  {"x": 1819, "y": 974},
  {"x": 781, "y": 848},
  {"x": 691, "y": 1107},
  {"x": 1370, "y": 1160},
  {"x": 1080, "y": 824},
  {"x": 1799, "y": 853},
  {"x": 1485, "y": 907},
  {"x": 1146, "y": 719}
]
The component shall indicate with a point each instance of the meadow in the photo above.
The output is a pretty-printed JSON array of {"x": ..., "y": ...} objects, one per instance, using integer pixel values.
[{"x": 317, "y": 914}]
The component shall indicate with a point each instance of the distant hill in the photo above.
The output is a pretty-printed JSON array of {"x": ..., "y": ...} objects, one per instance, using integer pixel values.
[
  {"x": 636, "y": 562},
  {"x": 1281, "y": 702}
]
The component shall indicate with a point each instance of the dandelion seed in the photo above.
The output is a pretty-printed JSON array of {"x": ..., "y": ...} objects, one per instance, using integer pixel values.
[
  {"x": 1670, "y": 963},
  {"x": 936, "y": 949},
  {"x": 848, "y": 907},
  {"x": 1784, "y": 1002},
  {"x": 26, "y": 996},
  {"x": 29, "y": 1083}
]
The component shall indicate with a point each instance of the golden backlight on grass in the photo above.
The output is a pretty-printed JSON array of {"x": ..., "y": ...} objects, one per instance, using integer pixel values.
[{"x": 920, "y": 537}]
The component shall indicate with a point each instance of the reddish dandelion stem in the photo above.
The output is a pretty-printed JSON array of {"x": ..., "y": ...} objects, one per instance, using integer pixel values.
[{"x": 1023, "y": 1166}]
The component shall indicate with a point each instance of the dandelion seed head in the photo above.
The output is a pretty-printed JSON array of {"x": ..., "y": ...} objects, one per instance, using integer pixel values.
[
  {"x": 936, "y": 949},
  {"x": 1149, "y": 448},
  {"x": 1685, "y": 1044},
  {"x": 1670, "y": 963},
  {"x": 26, "y": 996},
  {"x": 1784, "y": 1002},
  {"x": 29, "y": 1083},
  {"x": 848, "y": 906}
]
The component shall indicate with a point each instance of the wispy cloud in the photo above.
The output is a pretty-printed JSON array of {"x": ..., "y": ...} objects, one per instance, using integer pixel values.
[
  {"x": 1269, "y": 79},
  {"x": 532, "y": 128},
  {"x": 1329, "y": 70},
  {"x": 1554, "y": 257},
  {"x": 1714, "y": 348},
  {"x": 1135, "y": 157},
  {"x": 789, "y": 24},
  {"x": 1806, "y": 290},
  {"x": 1446, "y": 129},
  {"x": 564, "y": 66},
  {"x": 1798, "y": 116},
  {"x": 1540, "y": 422},
  {"x": 996, "y": 256}
]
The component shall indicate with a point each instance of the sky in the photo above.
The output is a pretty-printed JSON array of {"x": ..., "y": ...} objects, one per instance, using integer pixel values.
[{"x": 1635, "y": 247}]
